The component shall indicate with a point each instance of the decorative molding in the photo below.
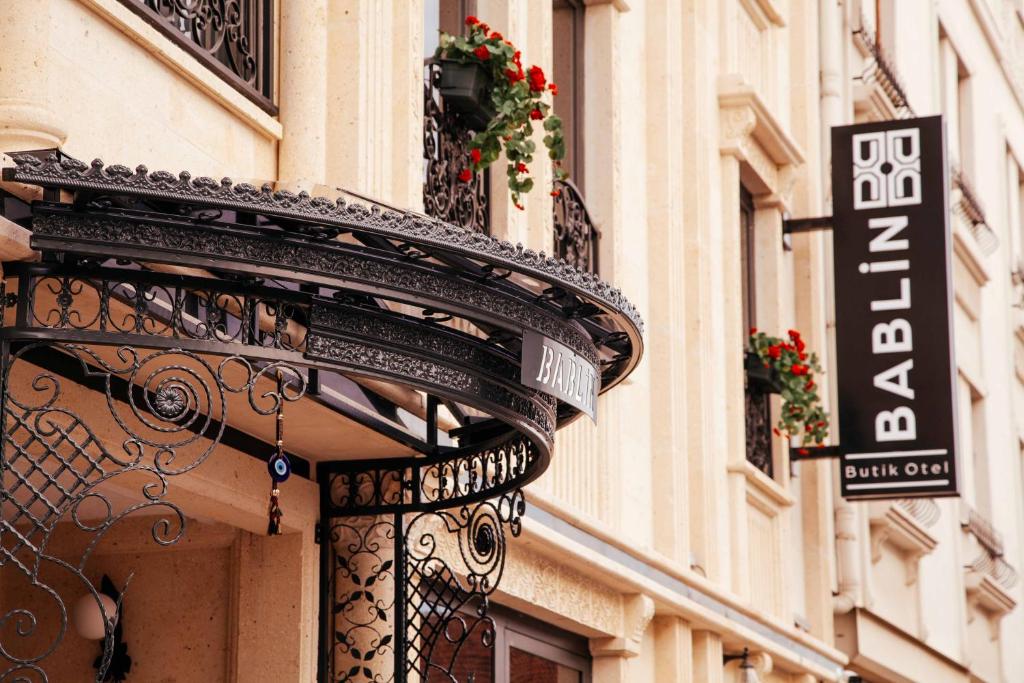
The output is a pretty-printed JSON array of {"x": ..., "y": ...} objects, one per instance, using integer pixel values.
[
  {"x": 763, "y": 488},
  {"x": 896, "y": 524},
  {"x": 407, "y": 226},
  {"x": 637, "y": 612},
  {"x": 768, "y": 131},
  {"x": 985, "y": 593},
  {"x": 870, "y": 103}
]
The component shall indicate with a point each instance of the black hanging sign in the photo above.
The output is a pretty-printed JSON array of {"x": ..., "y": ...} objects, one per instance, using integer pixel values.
[
  {"x": 893, "y": 287},
  {"x": 557, "y": 370}
]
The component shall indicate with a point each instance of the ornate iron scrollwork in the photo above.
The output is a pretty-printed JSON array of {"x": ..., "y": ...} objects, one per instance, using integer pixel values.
[
  {"x": 759, "y": 429},
  {"x": 170, "y": 406},
  {"x": 414, "y": 589},
  {"x": 446, "y": 154},
  {"x": 233, "y": 36},
  {"x": 575, "y": 233}
]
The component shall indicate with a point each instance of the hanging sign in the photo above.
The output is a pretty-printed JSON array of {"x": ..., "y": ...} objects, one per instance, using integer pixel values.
[
  {"x": 557, "y": 370},
  {"x": 893, "y": 294}
]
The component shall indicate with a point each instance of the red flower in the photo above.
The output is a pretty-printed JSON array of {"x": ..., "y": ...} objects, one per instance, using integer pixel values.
[
  {"x": 465, "y": 175},
  {"x": 521, "y": 168},
  {"x": 471, "y": 20},
  {"x": 798, "y": 369},
  {"x": 518, "y": 206},
  {"x": 553, "y": 88},
  {"x": 794, "y": 335},
  {"x": 774, "y": 351},
  {"x": 514, "y": 76},
  {"x": 776, "y": 431},
  {"x": 482, "y": 53},
  {"x": 804, "y": 451},
  {"x": 475, "y": 155},
  {"x": 537, "y": 80},
  {"x": 536, "y": 114},
  {"x": 485, "y": 28},
  {"x": 809, "y": 385},
  {"x": 803, "y": 356},
  {"x": 497, "y": 36},
  {"x": 515, "y": 59},
  {"x": 753, "y": 330},
  {"x": 556, "y": 193},
  {"x": 800, "y": 344}
]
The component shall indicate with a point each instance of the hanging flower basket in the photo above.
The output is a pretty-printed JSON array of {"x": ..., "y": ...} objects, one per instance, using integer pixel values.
[
  {"x": 466, "y": 90},
  {"x": 488, "y": 85},
  {"x": 787, "y": 362},
  {"x": 761, "y": 377}
]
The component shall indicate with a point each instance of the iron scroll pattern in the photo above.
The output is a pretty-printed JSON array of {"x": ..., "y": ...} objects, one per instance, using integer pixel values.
[
  {"x": 170, "y": 408},
  {"x": 576, "y": 235},
  {"x": 446, "y": 154},
  {"x": 231, "y": 36},
  {"x": 411, "y": 591},
  {"x": 431, "y": 233},
  {"x": 757, "y": 402}
]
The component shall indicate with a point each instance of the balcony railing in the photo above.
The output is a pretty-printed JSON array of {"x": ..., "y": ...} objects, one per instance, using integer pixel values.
[
  {"x": 966, "y": 204},
  {"x": 759, "y": 429},
  {"x": 990, "y": 542},
  {"x": 233, "y": 38},
  {"x": 882, "y": 72},
  {"x": 575, "y": 233},
  {"x": 446, "y": 154}
]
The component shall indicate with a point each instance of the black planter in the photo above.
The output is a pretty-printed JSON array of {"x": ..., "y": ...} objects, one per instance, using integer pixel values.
[
  {"x": 760, "y": 378},
  {"x": 466, "y": 90}
]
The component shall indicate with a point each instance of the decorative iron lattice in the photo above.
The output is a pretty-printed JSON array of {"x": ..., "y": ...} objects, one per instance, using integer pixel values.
[
  {"x": 232, "y": 37},
  {"x": 415, "y": 589},
  {"x": 575, "y": 233},
  {"x": 446, "y": 154},
  {"x": 148, "y": 304},
  {"x": 759, "y": 429},
  {"x": 170, "y": 408}
]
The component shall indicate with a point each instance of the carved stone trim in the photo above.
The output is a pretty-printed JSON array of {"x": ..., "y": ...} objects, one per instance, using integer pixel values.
[
  {"x": 637, "y": 612},
  {"x": 70, "y": 173},
  {"x": 896, "y": 524}
]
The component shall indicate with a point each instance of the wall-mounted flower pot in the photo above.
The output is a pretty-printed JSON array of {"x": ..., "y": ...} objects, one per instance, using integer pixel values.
[
  {"x": 759, "y": 377},
  {"x": 466, "y": 90}
]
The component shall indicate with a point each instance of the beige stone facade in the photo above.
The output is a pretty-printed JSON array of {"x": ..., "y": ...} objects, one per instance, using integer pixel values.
[{"x": 651, "y": 537}]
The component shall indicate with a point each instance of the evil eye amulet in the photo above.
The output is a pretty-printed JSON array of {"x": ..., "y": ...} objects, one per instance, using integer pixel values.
[{"x": 279, "y": 467}]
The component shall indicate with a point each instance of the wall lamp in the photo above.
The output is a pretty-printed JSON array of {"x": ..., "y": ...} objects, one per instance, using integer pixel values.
[
  {"x": 748, "y": 673},
  {"x": 90, "y": 617}
]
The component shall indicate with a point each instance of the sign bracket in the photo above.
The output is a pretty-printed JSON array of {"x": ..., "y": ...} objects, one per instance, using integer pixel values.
[{"x": 791, "y": 226}]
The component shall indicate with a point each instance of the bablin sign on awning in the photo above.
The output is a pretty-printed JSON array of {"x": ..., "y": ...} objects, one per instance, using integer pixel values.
[{"x": 896, "y": 376}]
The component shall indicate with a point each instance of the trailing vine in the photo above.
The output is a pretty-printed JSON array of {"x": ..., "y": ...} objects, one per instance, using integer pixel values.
[{"x": 802, "y": 414}]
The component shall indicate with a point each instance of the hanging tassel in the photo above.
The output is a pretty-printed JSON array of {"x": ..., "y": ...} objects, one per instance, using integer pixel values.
[{"x": 279, "y": 466}]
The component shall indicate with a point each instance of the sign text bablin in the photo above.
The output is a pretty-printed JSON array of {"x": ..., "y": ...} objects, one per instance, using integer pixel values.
[
  {"x": 555, "y": 369},
  {"x": 894, "y": 336}
]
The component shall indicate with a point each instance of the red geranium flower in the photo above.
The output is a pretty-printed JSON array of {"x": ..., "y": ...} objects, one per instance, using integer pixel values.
[
  {"x": 553, "y": 88},
  {"x": 809, "y": 385},
  {"x": 474, "y": 154},
  {"x": 514, "y": 76},
  {"x": 518, "y": 206},
  {"x": 485, "y": 28},
  {"x": 471, "y": 20},
  {"x": 753, "y": 330},
  {"x": 465, "y": 175},
  {"x": 537, "y": 80},
  {"x": 521, "y": 168},
  {"x": 497, "y": 36},
  {"x": 774, "y": 351},
  {"x": 536, "y": 114},
  {"x": 794, "y": 335},
  {"x": 803, "y": 451},
  {"x": 482, "y": 53},
  {"x": 798, "y": 369},
  {"x": 556, "y": 193}
]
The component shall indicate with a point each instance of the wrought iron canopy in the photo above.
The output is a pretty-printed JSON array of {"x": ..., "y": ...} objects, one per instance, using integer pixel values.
[{"x": 180, "y": 296}]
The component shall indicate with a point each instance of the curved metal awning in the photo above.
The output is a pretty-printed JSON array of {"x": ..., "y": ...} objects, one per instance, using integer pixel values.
[{"x": 334, "y": 283}]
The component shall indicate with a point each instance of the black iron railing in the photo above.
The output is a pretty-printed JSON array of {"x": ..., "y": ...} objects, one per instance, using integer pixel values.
[
  {"x": 233, "y": 38},
  {"x": 759, "y": 429},
  {"x": 990, "y": 561},
  {"x": 969, "y": 207},
  {"x": 575, "y": 233},
  {"x": 446, "y": 154},
  {"x": 882, "y": 72}
]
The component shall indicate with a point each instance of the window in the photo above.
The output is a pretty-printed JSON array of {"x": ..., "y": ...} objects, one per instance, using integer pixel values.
[
  {"x": 525, "y": 651},
  {"x": 238, "y": 48},
  {"x": 956, "y": 103},
  {"x": 747, "y": 258},
  {"x": 567, "y": 72}
]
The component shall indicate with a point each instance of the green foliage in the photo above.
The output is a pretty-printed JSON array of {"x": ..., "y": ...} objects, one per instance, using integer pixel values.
[
  {"x": 517, "y": 97},
  {"x": 802, "y": 414}
]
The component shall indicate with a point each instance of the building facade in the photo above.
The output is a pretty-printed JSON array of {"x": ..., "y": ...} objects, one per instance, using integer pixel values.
[{"x": 674, "y": 534}]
